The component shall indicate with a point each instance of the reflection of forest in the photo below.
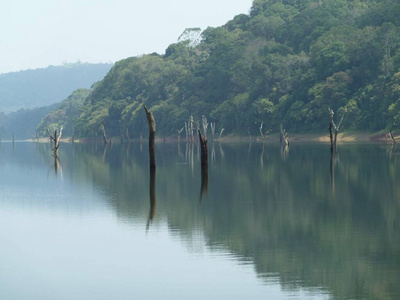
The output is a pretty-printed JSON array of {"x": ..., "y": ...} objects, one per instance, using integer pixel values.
[{"x": 282, "y": 216}]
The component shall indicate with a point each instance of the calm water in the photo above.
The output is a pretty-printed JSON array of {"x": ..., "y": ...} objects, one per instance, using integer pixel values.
[{"x": 265, "y": 224}]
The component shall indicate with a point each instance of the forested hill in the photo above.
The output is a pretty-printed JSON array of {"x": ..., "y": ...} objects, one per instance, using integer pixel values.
[
  {"x": 43, "y": 87},
  {"x": 285, "y": 62}
]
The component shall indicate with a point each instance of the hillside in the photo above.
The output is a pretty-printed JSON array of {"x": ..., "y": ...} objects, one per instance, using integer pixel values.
[
  {"x": 285, "y": 62},
  {"x": 42, "y": 87},
  {"x": 64, "y": 115},
  {"x": 23, "y": 122}
]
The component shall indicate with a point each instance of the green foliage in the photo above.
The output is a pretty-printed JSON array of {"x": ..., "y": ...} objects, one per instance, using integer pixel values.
[
  {"x": 286, "y": 62},
  {"x": 65, "y": 114}
]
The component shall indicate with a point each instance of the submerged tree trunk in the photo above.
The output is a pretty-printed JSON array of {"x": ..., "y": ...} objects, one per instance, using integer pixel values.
[
  {"x": 152, "y": 193},
  {"x": 152, "y": 132},
  {"x": 204, "y": 164},
  {"x": 204, "y": 149}
]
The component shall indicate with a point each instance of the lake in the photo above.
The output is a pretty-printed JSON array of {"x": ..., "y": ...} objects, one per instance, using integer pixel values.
[{"x": 262, "y": 223}]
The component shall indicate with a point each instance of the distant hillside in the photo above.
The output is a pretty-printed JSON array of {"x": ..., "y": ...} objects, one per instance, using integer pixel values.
[
  {"x": 23, "y": 122},
  {"x": 43, "y": 87},
  {"x": 286, "y": 62}
]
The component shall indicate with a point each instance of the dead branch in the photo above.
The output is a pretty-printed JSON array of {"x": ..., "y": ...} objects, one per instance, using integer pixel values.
[{"x": 220, "y": 134}]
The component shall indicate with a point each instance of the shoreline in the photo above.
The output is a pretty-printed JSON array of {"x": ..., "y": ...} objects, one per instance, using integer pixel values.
[{"x": 344, "y": 137}]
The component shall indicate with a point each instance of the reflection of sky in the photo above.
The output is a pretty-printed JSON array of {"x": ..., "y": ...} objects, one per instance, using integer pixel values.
[
  {"x": 72, "y": 256},
  {"x": 60, "y": 240}
]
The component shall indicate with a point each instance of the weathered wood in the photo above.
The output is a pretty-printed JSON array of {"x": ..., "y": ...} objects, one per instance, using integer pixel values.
[
  {"x": 334, "y": 129},
  {"x": 179, "y": 134},
  {"x": 204, "y": 164},
  {"x": 152, "y": 132},
  {"x": 55, "y": 139},
  {"x": 204, "y": 149},
  {"x": 205, "y": 125},
  {"x": 284, "y": 136},
  {"x": 392, "y": 139},
  {"x": 103, "y": 130}
]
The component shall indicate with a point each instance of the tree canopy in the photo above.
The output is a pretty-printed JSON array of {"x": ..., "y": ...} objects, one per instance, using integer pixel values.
[{"x": 286, "y": 62}]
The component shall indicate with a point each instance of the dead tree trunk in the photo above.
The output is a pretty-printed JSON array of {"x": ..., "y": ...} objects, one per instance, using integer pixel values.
[
  {"x": 55, "y": 139},
  {"x": 179, "y": 134},
  {"x": 332, "y": 126},
  {"x": 284, "y": 136},
  {"x": 152, "y": 132},
  {"x": 261, "y": 131},
  {"x": 104, "y": 134},
  {"x": 204, "y": 164},
  {"x": 392, "y": 139},
  {"x": 127, "y": 136},
  {"x": 204, "y": 149},
  {"x": 205, "y": 125}
]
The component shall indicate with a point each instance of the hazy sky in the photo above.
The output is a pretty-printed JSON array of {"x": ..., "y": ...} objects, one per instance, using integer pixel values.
[{"x": 39, "y": 33}]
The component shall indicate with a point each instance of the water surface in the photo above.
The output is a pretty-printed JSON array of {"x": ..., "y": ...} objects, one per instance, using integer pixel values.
[{"x": 264, "y": 223}]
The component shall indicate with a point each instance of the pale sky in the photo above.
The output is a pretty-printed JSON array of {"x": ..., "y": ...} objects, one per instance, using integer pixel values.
[{"x": 36, "y": 34}]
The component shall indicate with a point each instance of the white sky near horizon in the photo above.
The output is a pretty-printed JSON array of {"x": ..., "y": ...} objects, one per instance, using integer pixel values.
[{"x": 36, "y": 34}]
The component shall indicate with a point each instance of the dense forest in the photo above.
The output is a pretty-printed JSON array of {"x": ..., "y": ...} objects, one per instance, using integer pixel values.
[
  {"x": 42, "y": 87},
  {"x": 285, "y": 62}
]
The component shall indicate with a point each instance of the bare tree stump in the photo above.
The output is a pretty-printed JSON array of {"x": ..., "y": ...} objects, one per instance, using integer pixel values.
[{"x": 152, "y": 132}]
